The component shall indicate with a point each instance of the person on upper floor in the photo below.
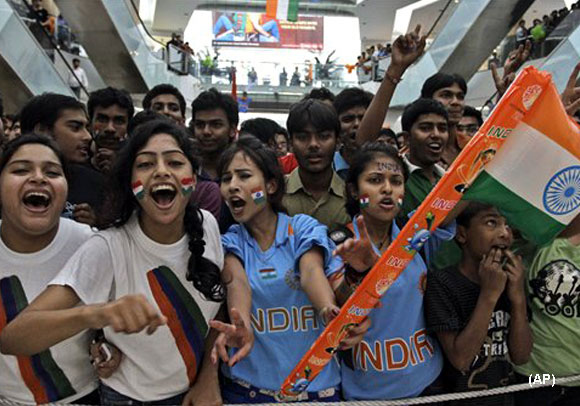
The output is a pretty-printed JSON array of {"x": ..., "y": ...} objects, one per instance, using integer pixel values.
[
  {"x": 350, "y": 105},
  {"x": 110, "y": 110},
  {"x": 314, "y": 188},
  {"x": 167, "y": 100},
  {"x": 65, "y": 119},
  {"x": 450, "y": 90}
]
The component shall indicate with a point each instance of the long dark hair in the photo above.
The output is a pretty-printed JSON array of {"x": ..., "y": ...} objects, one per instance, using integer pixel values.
[
  {"x": 120, "y": 203},
  {"x": 360, "y": 161},
  {"x": 265, "y": 159}
]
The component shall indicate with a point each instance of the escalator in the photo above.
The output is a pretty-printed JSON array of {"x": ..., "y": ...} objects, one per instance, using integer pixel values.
[
  {"x": 464, "y": 42},
  {"x": 25, "y": 68},
  {"x": 120, "y": 48}
]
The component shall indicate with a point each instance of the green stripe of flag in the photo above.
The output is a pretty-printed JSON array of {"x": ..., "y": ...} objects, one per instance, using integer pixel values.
[
  {"x": 293, "y": 10},
  {"x": 534, "y": 224}
]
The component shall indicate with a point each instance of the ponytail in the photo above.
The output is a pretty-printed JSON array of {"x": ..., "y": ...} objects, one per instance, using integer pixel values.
[{"x": 204, "y": 274}]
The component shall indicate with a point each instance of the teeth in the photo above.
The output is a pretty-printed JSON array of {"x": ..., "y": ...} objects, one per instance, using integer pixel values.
[
  {"x": 38, "y": 194},
  {"x": 434, "y": 145},
  {"x": 157, "y": 188}
]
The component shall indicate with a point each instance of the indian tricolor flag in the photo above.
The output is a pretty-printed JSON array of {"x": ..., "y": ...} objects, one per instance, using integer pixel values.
[
  {"x": 534, "y": 178},
  {"x": 138, "y": 189},
  {"x": 282, "y": 9}
]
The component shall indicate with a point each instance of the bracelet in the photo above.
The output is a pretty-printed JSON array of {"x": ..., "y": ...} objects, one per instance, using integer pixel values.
[{"x": 395, "y": 81}]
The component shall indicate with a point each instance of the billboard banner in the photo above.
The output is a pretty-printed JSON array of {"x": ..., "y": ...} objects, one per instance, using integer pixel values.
[{"x": 259, "y": 30}]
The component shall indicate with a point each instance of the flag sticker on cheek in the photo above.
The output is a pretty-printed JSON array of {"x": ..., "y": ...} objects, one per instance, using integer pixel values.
[
  {"x": 258, "y": 196},
  {"x": 187, "y": 186},
  {"x": 364, "y": 201},
  {"x": 138, "y": 190}
]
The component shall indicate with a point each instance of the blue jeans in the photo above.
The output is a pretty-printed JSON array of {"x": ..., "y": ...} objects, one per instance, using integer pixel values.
[
  {"x": 110, "y": 396},
  {"x": 234, "y": 393}
]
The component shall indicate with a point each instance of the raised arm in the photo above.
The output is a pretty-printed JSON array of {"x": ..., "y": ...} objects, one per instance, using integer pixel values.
[{"x": 406, "y": 50}]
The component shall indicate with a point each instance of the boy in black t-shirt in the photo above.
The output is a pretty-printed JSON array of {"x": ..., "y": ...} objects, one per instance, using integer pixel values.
[{"x": 478, "y": 309}]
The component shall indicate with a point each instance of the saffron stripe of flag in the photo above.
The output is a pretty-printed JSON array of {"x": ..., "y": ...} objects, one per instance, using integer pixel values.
[{"x": 282, "y": 9}]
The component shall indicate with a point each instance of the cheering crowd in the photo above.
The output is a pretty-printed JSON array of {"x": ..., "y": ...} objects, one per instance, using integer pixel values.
[{"x": 149, "y": 262}]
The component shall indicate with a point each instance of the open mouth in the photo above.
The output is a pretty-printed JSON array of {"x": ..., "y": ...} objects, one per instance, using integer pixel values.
[
  {"x": 163, "y": 195},
  {"x": 236, "y": 205},
  {"x": 435, "y": 147},
  {"x": 36, "y": 201},
  {"x": 387, "y": 203}
]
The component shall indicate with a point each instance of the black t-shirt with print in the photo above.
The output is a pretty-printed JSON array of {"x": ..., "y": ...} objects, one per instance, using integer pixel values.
[{"x": 450, "y": 300}]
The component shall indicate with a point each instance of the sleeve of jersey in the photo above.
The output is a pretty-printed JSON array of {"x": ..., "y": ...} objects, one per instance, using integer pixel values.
[
  {"x": 232, "y": 242},
  {"x": 89, "y": 272},
  {"x": 440, "y": 314},
  {"x": 310, "y": 233}
]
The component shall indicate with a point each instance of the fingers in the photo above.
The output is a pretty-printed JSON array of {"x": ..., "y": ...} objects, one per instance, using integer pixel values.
[
  {"x": 222, "y": 327},
  {"x": 220, "y": 349},
  {"x": 355, "y": 334},
  {"x": 572, "y": 79},
  {"x": 417, "y": 30},
  {"x": 573, "y": 107},
  {"x": 362, "y": 229},
  {"x": 494, "y": 73}
]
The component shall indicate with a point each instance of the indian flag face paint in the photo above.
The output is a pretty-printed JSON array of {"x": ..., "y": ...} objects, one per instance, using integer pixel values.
[
  {"x": 258, "y": 196},
  {"x": 187, "y": 186},
  {"x": 138, "y": 190},
  {"x": 364, "y": 201},
  {"x": 400, "y": 202}
]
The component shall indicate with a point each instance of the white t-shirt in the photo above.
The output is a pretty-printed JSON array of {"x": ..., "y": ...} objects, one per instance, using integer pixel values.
[
  {"x": 122, "y": 261},
  {"x": 64, "y": 372}
]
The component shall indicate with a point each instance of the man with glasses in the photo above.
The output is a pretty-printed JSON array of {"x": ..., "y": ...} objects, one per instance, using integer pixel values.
[{"x": 468, "y": 125}]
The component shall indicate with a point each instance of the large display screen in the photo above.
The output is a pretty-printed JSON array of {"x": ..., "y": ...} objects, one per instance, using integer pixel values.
[{"x": 258, "y": 30}]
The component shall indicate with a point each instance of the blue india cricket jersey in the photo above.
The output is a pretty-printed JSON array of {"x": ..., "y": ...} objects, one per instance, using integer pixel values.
[
  {"x": 285, "y": 322},
  {"x": 396, "y": 357}
]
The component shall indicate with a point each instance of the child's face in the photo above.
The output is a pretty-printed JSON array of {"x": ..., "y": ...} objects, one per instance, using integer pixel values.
[
  {"x": 487, "y": 229},
  {"x": 244, "y": 188},
  {"x": 383, "y": 184}
]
